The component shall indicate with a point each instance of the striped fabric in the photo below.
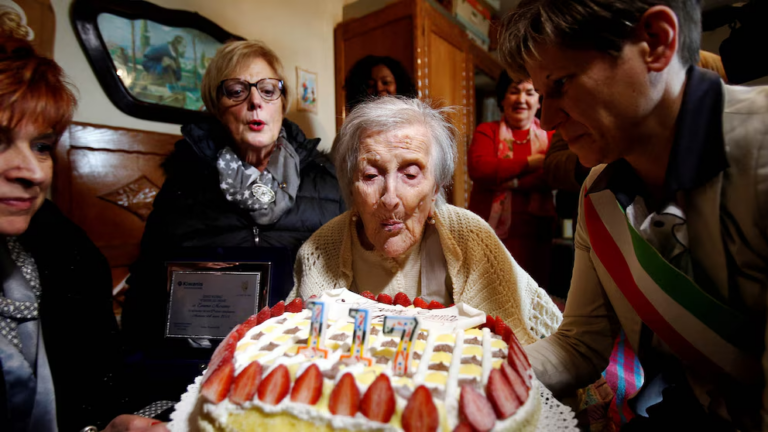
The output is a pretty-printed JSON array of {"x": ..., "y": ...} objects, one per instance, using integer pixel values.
[
  {"x": 624, "y": 376},
  {"x": 702, "y": 331}
]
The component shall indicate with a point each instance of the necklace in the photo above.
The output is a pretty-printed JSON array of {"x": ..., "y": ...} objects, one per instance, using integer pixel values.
[{"x": 530, "y": 133}]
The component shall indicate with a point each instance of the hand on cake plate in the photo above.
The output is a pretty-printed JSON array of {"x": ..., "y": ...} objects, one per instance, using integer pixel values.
[{"x": 134, "y": 423}]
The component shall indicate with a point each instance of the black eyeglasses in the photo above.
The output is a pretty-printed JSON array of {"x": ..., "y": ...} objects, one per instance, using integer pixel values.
[{"x": 238, "y": 90}]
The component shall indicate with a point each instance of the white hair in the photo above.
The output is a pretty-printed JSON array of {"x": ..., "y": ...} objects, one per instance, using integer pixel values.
[{"x": 389, "y": 114}]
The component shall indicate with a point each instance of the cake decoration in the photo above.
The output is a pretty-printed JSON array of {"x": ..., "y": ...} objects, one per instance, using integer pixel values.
[{"x": 431, "y": 369}]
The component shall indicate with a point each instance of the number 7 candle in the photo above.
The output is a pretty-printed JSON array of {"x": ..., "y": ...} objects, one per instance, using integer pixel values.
[
  {"x": 315, "y": 341},
  {"x": 406, "y": 327}
]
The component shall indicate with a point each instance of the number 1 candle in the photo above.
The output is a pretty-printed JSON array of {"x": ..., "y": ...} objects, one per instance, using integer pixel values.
[
  {"x": 360, "y": 336},
  {"x": 315, "y": 348},
  {"x": 406, "y": 327}
]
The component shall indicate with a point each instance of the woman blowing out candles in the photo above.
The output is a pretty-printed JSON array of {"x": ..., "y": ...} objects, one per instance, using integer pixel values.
[{"x": 395, "y": 157}]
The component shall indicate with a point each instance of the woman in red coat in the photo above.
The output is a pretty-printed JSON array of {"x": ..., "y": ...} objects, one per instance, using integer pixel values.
[{"x": 505, "y": 163}]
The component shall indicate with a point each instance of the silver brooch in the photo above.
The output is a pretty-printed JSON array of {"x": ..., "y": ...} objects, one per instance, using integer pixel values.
[{"x": 264, "y": 194}]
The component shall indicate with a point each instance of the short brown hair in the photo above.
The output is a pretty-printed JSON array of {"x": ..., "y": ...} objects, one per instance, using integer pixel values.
[
  {"x": 231, "y": 58},
  {"x": 33, "y": 89},
  {"x": 601, "y": 25}
]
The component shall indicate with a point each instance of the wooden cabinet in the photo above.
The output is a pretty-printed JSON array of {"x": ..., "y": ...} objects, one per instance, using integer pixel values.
[{"x": 435, "y": 50}]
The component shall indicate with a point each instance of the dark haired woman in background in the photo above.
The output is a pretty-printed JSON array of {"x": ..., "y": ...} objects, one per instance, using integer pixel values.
[
  {"x": 505, "y": 163},
  {"x": 377, "y": 76}
]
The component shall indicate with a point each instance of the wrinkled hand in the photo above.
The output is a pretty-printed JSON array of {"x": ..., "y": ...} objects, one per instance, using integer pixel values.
[
  {"x": 535, "y": 161},
  {"x": 134, "y": 423}
]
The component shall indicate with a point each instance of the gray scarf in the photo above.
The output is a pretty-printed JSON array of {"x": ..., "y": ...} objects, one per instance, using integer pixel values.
[
  {"x": 266, "y": 195},
  {"x": 27, "y": 376}
]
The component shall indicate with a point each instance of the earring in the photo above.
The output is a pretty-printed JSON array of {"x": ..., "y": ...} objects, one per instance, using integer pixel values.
[
  {"x": 354, "y": 216},
  {"x": 431, "y": 220}
]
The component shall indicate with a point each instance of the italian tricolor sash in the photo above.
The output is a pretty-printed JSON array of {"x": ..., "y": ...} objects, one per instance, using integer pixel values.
[{"x": 702, "y": 331}]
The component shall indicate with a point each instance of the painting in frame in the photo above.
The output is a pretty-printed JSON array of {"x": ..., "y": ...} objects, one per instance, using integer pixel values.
[
  {"x": 306, "y": 87},
  {"x": 149, "y": 60}
]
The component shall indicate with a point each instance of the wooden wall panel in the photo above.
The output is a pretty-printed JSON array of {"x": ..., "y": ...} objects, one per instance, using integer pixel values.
[
  {"x": 105, "y": 180},
  {"x": 447, "y": 75}
]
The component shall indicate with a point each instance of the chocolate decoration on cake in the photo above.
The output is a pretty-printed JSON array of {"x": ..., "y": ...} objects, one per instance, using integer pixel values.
[
  {"x": 471, "y": 360},
  {"x": 473, "y": 341},
  {"x": 442, "y": 367},
  {"x": 417, "y": 356},
  {"x": 443, "y": 348},
  {"x": 390, "y": 344},
  {"x": 292, "y": 331},
  {"x": 422, "y": 336},
  {"x": 375, "y": 330},
  {"x": 339, "y": 337},
  {"x": 269, "y": 347},
  {"x": 258, "y": 336},
  {"x": 331, "y": 372},
  {"x": 302, "y": 341},
  {"x": 381, "y": 359},
  {"x": 499, "y": 354}
]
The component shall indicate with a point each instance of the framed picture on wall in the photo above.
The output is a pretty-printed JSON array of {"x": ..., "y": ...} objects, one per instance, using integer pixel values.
[
  {"x": 306, "y": 87},
  {"x": 149, "y": 60}
]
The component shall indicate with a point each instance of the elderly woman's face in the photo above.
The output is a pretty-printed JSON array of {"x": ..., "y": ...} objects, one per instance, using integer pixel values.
[
  {"x": 394, "y": 189},
  {"x": 520, "y": 104},
  {"x": 254, "y": 123},
  {"x": 26, "y": 171}
]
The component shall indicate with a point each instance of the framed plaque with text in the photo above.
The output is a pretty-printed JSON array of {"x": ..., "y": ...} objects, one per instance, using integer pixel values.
[{"x": 211, "y": 293}]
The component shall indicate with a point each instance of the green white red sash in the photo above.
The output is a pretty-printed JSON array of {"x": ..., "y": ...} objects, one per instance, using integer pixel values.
[{"x": 701, "y": 330}]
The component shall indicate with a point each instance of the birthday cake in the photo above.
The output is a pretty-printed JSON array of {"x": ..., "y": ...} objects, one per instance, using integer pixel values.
[{"x": 347, "y": 362}]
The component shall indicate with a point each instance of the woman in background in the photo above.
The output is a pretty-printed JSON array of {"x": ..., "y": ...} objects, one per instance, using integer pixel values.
[
  {"x": 505, "y": 163},
  {"x": 59, "y": 345},
  {"x": 377, "y": 76}
]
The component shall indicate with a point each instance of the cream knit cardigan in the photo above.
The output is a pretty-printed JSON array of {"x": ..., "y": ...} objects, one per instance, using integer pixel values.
[{"x": 482, "y": 271}]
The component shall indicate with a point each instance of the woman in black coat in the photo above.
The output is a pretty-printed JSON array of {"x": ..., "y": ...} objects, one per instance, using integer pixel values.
[{"x": 246, "y": 177}]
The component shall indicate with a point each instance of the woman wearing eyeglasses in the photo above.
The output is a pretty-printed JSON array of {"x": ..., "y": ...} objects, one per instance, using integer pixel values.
[{"x": 246, "y": 177}]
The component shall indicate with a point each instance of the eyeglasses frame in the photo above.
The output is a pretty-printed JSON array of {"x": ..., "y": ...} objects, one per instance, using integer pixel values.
[{"x": 281, "y": 86}]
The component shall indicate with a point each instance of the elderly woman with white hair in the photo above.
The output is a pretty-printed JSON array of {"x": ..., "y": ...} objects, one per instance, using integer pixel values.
[{"x": 395, "y": 156}]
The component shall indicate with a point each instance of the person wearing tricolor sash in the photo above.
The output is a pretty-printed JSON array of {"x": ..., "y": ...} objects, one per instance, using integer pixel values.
[{"x": 672, "y": 236}]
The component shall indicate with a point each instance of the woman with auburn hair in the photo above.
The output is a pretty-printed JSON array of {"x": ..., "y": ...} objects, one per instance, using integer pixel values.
[{"x": 59, "y": 346}]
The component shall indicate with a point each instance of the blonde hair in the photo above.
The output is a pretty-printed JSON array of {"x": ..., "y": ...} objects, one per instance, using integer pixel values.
[{"x": 234, "y": 57}]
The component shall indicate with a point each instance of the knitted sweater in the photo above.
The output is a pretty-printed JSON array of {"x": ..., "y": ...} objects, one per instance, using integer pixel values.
[{"x": 483, "y": 273}]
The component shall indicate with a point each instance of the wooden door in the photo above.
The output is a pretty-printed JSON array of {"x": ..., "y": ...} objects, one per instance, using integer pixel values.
[{"x": 444, "y": 64}]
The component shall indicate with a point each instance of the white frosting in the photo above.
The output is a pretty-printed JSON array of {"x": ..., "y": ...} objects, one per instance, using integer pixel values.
[{"x": 487, "y": 356}]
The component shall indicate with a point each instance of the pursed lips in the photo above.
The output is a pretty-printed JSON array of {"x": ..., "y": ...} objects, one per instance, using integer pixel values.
[
  {"x": 256, "y": 125},
  {"x": 391, "y": 225}
]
